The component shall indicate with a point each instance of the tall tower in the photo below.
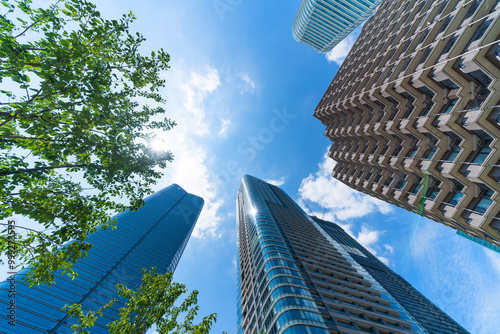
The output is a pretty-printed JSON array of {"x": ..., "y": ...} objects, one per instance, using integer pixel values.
[
  {"x": 414, "y": 115},
  {"x": 303, "y": 275},
  {"x": 322, "y": 24},
  {"x": 153, "y": 236}
]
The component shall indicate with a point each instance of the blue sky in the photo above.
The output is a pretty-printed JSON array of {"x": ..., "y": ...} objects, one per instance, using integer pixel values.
[{"x": 243, "y": 93}]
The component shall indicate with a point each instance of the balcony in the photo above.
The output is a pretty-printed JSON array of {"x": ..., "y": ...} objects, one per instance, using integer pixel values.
[
  {"x": 407, "y": 163},
  {"x": 381, "y": 159},
  {"x": 403, "y": 125},
  {"x": 474, "y": 219},
  {"x": 446, "y": 168},
  {"x": 441, "y": 122},
  {"x": 429, "y": 204},
  {"x": 393, "y": 161},
  {"x": 449, "y": 211},
  {"x": 420, "y": 122},
  {"x": 386, "y": 190},
  {"x": 388, "y": 127},
  {"x": 473, "y": 172},
  {"x": 425, "y": 165},
  {"x": 470, "y": 119},
  {"x": 397, "y": 194},
  {"x": 412, "y": 199}
]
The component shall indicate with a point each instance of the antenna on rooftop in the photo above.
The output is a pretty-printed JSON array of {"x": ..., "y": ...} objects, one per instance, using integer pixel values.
[{"x": 312, "y": 214}]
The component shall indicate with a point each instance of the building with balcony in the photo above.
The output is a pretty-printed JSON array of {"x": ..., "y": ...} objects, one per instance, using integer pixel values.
[
  {"x": 322, "y": 24},
  {"x": 302, "y": 275},
  {"x": 153, "y": 236},
  {"x": 414, "y": 114}
]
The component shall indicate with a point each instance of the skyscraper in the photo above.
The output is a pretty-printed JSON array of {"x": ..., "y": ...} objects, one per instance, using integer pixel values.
[
  {"x": 414, "y": 115},
  {"x": 322, "y": 24},
  {"x": 153, "y": 236},
  {"x": 303, "y": 275}
]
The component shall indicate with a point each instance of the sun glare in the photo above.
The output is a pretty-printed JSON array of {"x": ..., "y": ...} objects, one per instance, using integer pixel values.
[{"x": 157, "y": 145}]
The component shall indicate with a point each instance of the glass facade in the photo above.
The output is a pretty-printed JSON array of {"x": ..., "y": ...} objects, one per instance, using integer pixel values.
[
  {"x": 153, "y": 236},
  {"x": 302, "y": 275},
  {"x": 322, "y": 24}
]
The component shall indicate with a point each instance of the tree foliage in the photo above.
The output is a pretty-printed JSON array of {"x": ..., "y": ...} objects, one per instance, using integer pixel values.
[
  {"x": 74, "y": 115},
  {"x": 152, "y": 304}
]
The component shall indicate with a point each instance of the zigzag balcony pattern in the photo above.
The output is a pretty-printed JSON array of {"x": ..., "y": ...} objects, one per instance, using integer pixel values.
[{"x": 414, "y": 112}]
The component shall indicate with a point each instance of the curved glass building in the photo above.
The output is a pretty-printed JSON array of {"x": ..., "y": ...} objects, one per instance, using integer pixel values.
[
  {"x": 153, "y": 236},
  {"x": 303, "y": 275},
  {"x": 322, "y": 24}
]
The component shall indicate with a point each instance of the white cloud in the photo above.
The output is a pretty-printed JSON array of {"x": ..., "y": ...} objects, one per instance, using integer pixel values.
[
  {"x": 225, "y": 123},
  {"x": 367, "y": 237},
  {"x": 456, "y": 277},
  {"x": 186, "y": 94},
  {"x": 389, "y": 249},
  {"x": 341, "y": 50},
  {"x": 277, "y": 183},
  {"x": 249, "y": 84},
  {"x": 342, "y": 201},
  {"x": 194, "y": 91},
  {"x": 494, "y": 258}
]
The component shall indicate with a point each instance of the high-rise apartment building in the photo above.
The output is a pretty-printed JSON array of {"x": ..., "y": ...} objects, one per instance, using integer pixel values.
[
  {"x": 322, "y": 24},
  {"x": 153, "y": 236},
  {"x": 302, "y": 275},
  {"x": 414, "y": 114}
]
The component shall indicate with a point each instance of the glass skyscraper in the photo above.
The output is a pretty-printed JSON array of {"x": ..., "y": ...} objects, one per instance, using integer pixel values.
[
  {"x": 302, "y": 275},
  {"x": 153, "y": 236},
  {"x": 322, "y": 24}
]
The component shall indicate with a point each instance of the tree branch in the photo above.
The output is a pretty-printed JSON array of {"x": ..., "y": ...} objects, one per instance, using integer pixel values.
[{"x": 39, "y": 169}]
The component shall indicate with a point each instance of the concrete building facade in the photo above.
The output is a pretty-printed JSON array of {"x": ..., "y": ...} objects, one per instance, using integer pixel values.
[
  {"x": 302, "y": 275},
  {"x": 414, "y": 114}
]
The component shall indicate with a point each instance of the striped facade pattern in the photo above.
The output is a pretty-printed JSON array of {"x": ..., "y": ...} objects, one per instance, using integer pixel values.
[
  {"x": 153, "y": 236},
  {"x": 322, "y": 24},
  {"x": 302, "y": 275},
  {"x": 414, "y": 114}
]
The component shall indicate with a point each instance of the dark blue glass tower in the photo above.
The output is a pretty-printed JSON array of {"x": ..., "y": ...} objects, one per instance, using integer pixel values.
[{"x": 153, "y": 236}]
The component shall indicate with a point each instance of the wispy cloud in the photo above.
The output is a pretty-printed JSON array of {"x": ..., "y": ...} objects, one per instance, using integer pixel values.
[
  {"x": 389, "y": 248},
  {"x": 225, "y": 123},
  {"x": 276, "y": 182},
  {"x": 456, "y": 278},
  {"x": 194, "y": 90},
  {"x": 341, "y": 50},
  {"x": 249, "y": 84},
  {"x": 187, "y": 93},
  {"x": 341, "y": 201}
]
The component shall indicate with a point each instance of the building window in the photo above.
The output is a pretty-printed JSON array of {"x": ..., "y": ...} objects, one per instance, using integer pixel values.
[
  {"x": 472, "y": 10},
  {"x": 450, "y": 85},
  {"x": 455, "y": 195},
  {"x": 412, "y": 151},
  {"x": 479, "y": 32},
  {"x": 449, "y": 106},
  {"x": 453, "y": 152},
  {"x": 401, "y": 184},
  {"x": 482, "y": 154},
  {"x": 433, "y": 190},
  {"x": 448, "y": 45},
  {"x": 415, "y": 188},
  {"x": 484, "y": 201},
  {"x": 430, "y": 152},
  {"x": 445, "y": 24}
]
